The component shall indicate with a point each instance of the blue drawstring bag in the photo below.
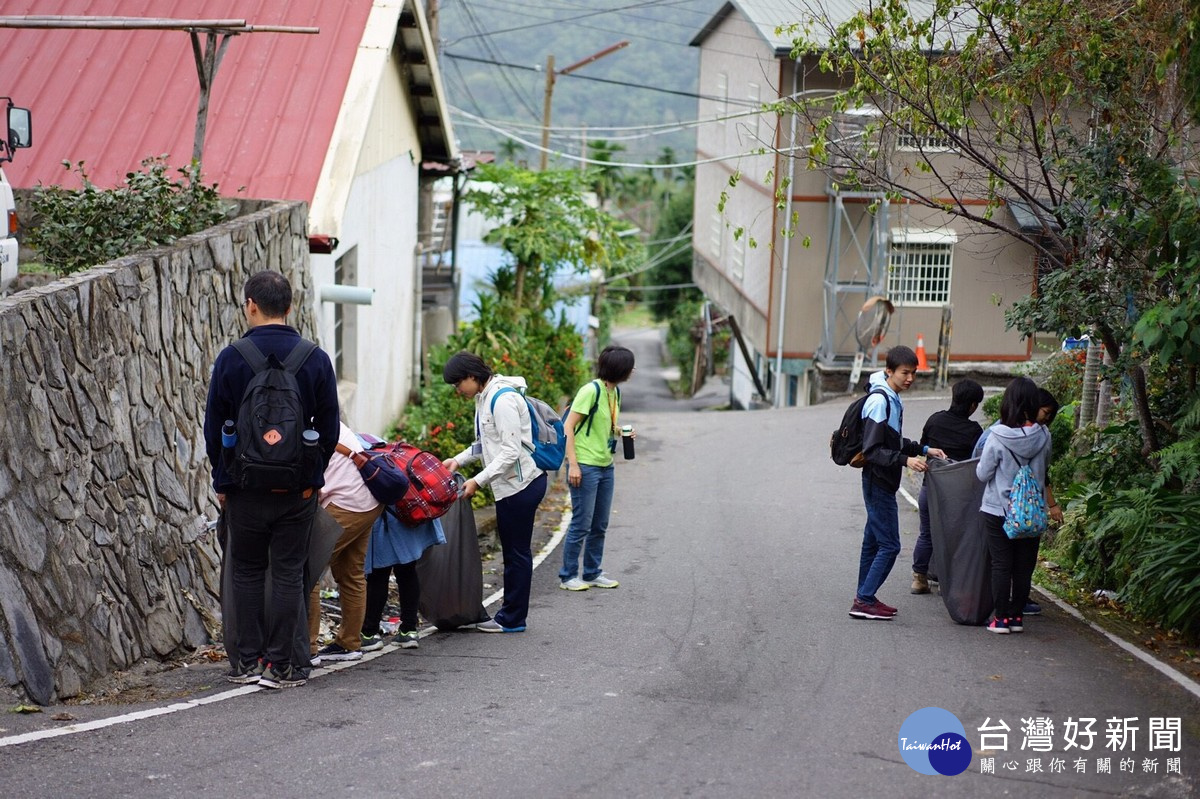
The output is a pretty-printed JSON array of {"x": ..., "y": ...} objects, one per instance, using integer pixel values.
[{"x": 1027, "y": 515}]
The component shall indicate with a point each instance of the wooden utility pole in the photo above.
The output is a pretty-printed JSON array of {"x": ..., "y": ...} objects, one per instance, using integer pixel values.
[
  {"x": 546, "y": 100},
  {"x": 546, "y": 112}
]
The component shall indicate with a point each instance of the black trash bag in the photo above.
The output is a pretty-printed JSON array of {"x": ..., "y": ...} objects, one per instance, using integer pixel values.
[
  {"x": 325, "y": 533},
  {"x": 451, "y": 576},
  {"x": 964, "y": 568}
]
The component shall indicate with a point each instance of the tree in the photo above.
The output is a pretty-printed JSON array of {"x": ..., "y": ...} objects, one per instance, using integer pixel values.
[
  {"x": 543, "y": 221},
  {"x": 605, "y": 177},
  {"x": 673, "y": 252},
  {"x": 1073, "y": 110},
  {"x": 509, "y": 149}
]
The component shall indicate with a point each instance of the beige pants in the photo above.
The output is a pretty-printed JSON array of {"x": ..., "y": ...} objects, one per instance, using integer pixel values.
[{"x": 346, "y": 564}]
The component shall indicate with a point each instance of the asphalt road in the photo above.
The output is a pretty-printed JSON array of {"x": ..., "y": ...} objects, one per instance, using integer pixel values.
[{"x": 724, "y": 665}]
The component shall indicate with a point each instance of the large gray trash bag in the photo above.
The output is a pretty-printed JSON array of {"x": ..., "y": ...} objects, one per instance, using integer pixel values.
[
  {"x": 959, "y": 540},
  {"x": 451, "y": 576},
  {"x": 325, "y": 533}
]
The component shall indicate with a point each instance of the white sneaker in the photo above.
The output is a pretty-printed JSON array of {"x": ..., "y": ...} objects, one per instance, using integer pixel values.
[
  {"x": 574, "y": 584},
  {"x": 601, "y": 582}
]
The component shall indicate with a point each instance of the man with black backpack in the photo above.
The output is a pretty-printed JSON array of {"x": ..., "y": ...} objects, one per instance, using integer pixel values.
[{"x": 270, "y": 427}]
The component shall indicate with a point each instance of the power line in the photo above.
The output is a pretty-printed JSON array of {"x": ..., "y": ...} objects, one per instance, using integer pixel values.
[
  {"x": 693, "y": 95},
  {"x": 562, "y": 20}
]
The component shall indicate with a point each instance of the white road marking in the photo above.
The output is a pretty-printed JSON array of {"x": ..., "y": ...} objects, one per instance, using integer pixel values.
[{"x": 242, "y": 690}]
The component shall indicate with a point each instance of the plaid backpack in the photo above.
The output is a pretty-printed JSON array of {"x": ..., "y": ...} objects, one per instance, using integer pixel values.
[
  {"x": 432, "y": 489},
  {"x": 1026, "y": 516}
]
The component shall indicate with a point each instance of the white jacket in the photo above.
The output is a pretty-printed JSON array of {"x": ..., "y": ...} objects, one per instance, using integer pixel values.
[{"x": 506, "y": 436}]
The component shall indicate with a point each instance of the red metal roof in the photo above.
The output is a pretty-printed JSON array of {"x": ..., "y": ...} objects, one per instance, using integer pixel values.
[{"x": 111, "y": 98}]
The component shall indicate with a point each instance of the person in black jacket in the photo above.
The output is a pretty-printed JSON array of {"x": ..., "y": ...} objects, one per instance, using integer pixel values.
[
  {"x": 269, "y": 529},
  {"x": 887, "y": 452},
  {"x": 955, "y": 433}
]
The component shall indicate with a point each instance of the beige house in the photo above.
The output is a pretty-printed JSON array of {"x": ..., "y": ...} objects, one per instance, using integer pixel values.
[{"x": 797, "y": 299}]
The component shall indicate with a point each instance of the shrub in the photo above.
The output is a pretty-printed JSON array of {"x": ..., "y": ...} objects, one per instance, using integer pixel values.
[{"x": 84, "y": 227}]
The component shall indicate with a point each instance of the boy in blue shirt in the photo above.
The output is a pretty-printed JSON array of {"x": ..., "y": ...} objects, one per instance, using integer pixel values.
[{"x": 886, "y": 452}]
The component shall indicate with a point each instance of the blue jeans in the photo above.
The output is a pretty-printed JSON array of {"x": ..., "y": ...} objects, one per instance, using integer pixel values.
[
  {"x": 881, "y": 538},
  {"x": 924, "y": 546},
  {"x": 591, "y": 503}
]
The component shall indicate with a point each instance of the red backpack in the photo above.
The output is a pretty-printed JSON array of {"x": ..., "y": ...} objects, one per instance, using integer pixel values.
[{"x": 432, "y": 489}]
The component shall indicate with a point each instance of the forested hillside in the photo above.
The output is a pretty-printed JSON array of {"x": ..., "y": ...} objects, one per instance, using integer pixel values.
[{"x": 653, "y": 80}]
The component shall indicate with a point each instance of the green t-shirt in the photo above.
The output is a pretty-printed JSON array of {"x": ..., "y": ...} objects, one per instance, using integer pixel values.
[{"x": 592, "y": 447}]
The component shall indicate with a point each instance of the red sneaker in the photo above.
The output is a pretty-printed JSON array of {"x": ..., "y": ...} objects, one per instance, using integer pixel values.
[
  {"x": 886, "y": 607},
  {"x": 869, "y": 610}
]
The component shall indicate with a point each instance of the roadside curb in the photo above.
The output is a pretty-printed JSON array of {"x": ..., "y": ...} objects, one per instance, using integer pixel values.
[{"x": 1184, "y": 681}]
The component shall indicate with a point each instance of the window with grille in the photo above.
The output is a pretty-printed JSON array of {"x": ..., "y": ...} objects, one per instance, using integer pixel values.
[
  {"x": 919, "y": 268},
  {"x": 722, "y": 96},
  {"x": 737, "y": 261},
  {"x": 934, "y": 141}
]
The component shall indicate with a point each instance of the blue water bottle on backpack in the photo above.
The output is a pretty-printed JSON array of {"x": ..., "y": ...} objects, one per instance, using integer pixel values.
[{"x": 228, "y": 434}]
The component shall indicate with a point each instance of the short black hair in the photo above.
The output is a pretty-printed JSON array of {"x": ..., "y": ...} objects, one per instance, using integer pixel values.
[
  {"x": 1019, "y": 403},
  {"x": 901, "y": 355},
  {"x": 1048, "y": 400},
  {"x": 462, "y": 365},
  {"x": 615, "y": 364},
  {"x": 966, "y": 392},
  {"x": 271, "y": 292}
]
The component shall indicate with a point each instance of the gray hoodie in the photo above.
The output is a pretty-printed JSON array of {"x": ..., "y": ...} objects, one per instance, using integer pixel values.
[{"x": 1006, "y": 451}]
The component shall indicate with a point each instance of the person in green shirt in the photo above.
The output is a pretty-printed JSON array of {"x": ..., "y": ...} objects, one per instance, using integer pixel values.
[{"x": 592, "y": 429}]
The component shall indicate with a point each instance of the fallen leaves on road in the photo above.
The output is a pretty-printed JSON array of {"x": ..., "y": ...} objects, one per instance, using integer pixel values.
[{"x": 26, "y": 709}]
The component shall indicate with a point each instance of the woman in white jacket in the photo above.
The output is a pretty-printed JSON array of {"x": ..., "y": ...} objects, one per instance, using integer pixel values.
[{"x": 503, "y": 440}]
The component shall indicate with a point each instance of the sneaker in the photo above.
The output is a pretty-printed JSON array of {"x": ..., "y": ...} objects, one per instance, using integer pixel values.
[
  {"x": 493, "y": 626},
  {"x": 600, "y": 581},
  {"x": 887, "y": 607},
  {"x": 336, "y": 652},
  {"x": 870, "y": 610},
  {"x": 1032, "y": 609},
  {"x": 1015, "y": 624},
  {"x": 998, "y": 626},
  {"x": 407, "y": 640},
  {"x": 574, "y": 584},
  {"x": 285, "y": 678},
  {"x": 314, "y": 660},
  {"x": 370, "y": 643},
  {"x": 244, "y": 674},
  {"x": 920, "y": 584}
]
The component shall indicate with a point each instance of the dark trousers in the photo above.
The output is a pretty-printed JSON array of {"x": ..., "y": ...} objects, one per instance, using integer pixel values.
[
  {"x": 269, "y": 533},
  {"x": 408, "y": 585},
  {"x": 514, "y": 523},
  {"x": 1013, "y": 561}
]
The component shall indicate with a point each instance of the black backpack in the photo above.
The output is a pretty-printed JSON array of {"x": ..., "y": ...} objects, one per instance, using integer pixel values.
[
  {"x": 846, "y": 443},
  {"x": 270, "y": 453}
]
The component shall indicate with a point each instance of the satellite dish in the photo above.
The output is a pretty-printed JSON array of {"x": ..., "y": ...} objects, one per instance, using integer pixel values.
[{"x": 872, "y": 323}]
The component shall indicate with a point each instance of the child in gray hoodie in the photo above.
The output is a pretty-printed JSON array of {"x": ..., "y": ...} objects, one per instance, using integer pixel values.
[{"x": 1015, "y": 441}]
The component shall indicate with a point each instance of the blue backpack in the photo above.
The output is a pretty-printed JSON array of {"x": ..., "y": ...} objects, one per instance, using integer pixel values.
[
  {"x": 549, "y": 438},
  {"x": 1026, "y": 516}
]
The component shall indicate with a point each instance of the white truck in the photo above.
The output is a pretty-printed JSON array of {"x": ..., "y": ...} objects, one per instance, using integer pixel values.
[{"x": 19, "y": 134}]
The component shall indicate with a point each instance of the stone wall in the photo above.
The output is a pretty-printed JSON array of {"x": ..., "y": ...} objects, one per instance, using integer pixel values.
[{"x": 105, "y": 553}]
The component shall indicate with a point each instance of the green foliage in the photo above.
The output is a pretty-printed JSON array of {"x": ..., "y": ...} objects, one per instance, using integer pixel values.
[
  {"x": 84, "y": 227},
  {"x": 674, "y": 257},
  {"x": 544, "y": 221}
]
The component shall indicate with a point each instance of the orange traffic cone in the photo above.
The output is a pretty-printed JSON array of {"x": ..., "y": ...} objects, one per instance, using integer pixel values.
[{"x": 922, "y": 360}]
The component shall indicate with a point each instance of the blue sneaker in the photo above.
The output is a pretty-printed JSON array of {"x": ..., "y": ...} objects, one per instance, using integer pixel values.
[
  {"x": 493, "y": 626},
  {"x": 1032, "y": 609}
]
